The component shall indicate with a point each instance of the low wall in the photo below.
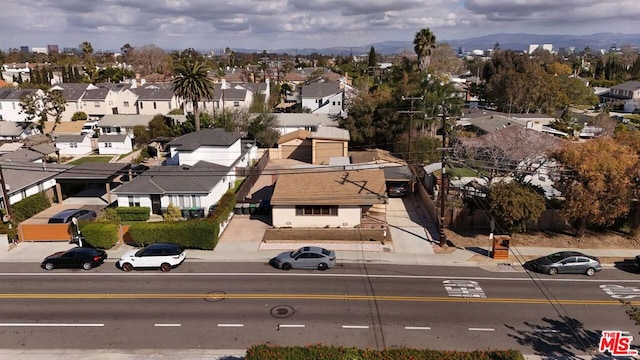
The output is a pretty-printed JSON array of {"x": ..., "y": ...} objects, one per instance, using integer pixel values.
[{"x": 320, "y": 234}]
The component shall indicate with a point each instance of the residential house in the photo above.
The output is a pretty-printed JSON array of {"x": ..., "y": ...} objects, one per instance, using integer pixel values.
[
  {"x": 323, "y": 97},
  {"x": 327, "y": 198},
  {"x": 124, "y": 124},
  {"x": 211, "y": 145},
  {"x": 483, "y": 121},
  {"x": 72, "y": 93},
  {"x": 114, "y": 144},
  {"x": 314, "y": 147},
  {"x": 26, "y": 179},
  {"x": 194, "y": 189},
  {"x": 13, "y": 131},
  {"x": 10, "y": 147},
  {"x": 22, "y": 156},
  {"x": 10, "y": 108},
  {"x": 627, "y": 93},
  {"x": 71, "y": 145},
  {"x": 152, "y": 100},
  {"x": 290, "y": 122}
]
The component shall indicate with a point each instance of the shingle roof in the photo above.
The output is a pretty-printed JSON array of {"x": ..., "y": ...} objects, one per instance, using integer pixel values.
[
  {"x": 628, "y": 85},
  {"x": 26, "y": 175},
  {"x": 22, "y": 155},
  {"x": 197, "y": 179},
  {"x": 70, "y": 138},
  {"x": 112, "y": 138},
  {"x": 44, "y": 149},
  {"x": 94, "y": 171},
  {"x": 205, "y": 137},
  {"x": 365, "y": 187},
  {"x": 150, "y": 94},
  {"x": 320, "y": 89},
  {"x": 15, "y": 94}
]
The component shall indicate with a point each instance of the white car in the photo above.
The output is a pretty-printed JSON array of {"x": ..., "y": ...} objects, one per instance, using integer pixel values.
[{"x": 159, "y": 256}]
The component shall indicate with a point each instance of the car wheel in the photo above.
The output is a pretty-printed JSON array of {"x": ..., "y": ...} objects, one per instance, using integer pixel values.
[
  {"x": 552, "y": 271},
  {"x": 590, "y": 271},
  {"x": 165, "y": 267},
  {"x": 286, "y": 266},
  {"x": 87, "y": 266},
  {"x": 127, "y": 267},
  {"x": 322, "y": 267},
  {"x": 48, "y": 266}
]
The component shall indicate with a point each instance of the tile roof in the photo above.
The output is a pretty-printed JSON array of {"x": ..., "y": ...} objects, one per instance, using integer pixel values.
[
  {"x": 204, "y": 137},
  {"x": 197, "y": 179},
  {"x": 318, "y": 187}
]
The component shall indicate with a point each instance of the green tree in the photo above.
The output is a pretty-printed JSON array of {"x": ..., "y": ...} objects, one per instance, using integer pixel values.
[
  {"x": 39, "y": 106},
  {"x": 79, "y": 116},
  {"x": 373, "y": 61},
  {"x": 513, "y": 205},
  {"x": 160, "y": 126},
  {"x": 141, "y": 134},
  {"x": 424, "y": 42},
  {"x": 192, "y": 83},
  {"x": 262, "y": 129},
  {"x": 598, "y": 182}
]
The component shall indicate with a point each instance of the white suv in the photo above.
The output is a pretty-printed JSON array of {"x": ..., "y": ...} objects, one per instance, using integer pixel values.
[{"x": 162, "y": 256}]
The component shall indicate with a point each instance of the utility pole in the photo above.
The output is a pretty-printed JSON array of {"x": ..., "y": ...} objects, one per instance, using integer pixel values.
[
  {"x": 411, "y": 112},
  {"x": 443, "y": 184}
]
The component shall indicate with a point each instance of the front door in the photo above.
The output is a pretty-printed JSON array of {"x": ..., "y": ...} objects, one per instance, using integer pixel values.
[{"x": 155, "y": 204}]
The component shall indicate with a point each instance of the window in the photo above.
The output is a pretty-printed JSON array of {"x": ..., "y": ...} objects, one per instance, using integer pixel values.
[
  {"x": 155, "y": 106},
  {"x": 236, "y": 103},
  {"x": 96, "y": 104},
  {"x": 141, "y": 107},
  {"x": 73, "y": 145},
  {"x": 126, "y": 104},
  {"x": 316, "y": 210},
  {"x": 108, "y": 145},
  {"x": 333, "y": 103},
  {"x": 134, "y": 201}
]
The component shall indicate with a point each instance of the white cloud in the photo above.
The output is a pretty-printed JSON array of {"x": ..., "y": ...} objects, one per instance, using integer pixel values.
[{"x": 272, "y": 24}]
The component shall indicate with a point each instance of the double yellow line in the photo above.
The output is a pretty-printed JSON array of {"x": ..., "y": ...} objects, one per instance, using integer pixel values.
[{"x": 316, "y": 297}]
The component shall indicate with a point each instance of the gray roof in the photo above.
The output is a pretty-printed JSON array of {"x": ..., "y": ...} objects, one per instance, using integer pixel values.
[
  {"x": 331, "y": 133},
  {"x": 205, "y": 137},
  {"x": 44, "y": 149},
  {"x": 21, "y": 155},
  {"x": 628, "y": 85},
  {"x": 93, "y": 171},
  {"x": 19, "y": 177},
  {"x": 233, "y": 93},
  {"x": 303, "y": 119},
  {"x": 95, "y": 94},
  {"x": 151, "y": 94},
  {"x": 397, "y": 173},
  {"x": 112, "y": 138},
  {"x": 71, "y": 91},
  {"x": 11, "y": 129},
  {"x": 70, "y": 138},
  {"x": 197, "y": 179},
  {"x": 320, "y": 89},
  {"x": 15, "y": 94}
]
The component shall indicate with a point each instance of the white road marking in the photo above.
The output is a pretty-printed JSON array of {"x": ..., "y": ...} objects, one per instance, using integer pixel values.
[
  {"x": 48, "y": 325},
  {"x": 464, "y": 288},
  {"x": 230, "y": 325},
  {"x": 621, "y": 292},
  {"x": 290, "y": 326},
  {"x": 417, "y": 328},
  {"x": 373, "y": 276},
  {"x": 482, "y": 329},
  {"x": 167, "y": 325},
  {"x": 355, "y": 326}
]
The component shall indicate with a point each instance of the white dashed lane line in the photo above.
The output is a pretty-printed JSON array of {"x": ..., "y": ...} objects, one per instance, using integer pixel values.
[
  {"x": 167, "y": 325},
  {"x": 230, "y": 325},
  {"x": 48, "y": 325},
  {"x": 417, "y": 328},
  {"x": 355, "y": 327},
  {"x": 482, "y": 329},
  {"x": 280, "y": 326}
]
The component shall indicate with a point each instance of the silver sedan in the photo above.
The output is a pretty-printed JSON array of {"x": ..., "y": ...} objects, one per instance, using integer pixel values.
[{"x": 307, "y": 257}]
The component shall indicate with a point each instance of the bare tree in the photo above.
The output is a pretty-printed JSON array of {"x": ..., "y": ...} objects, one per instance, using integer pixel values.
[{"x": 149, "y": 59}]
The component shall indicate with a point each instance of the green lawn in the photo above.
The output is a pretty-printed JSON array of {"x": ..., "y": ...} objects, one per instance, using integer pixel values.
[{"x": 91, "y": 159}]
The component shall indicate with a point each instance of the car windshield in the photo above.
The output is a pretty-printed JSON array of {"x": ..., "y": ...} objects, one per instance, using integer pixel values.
[
  {"x": 295, "y": 253},
  {"x": 555, "y": 257}
]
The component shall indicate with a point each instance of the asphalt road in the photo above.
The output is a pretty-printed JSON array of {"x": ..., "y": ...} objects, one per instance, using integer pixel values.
[{"x": 231, "y": 306}]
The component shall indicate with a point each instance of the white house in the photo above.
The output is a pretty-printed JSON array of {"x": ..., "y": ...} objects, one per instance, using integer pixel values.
[
  {"x": 10, "y": 109},
  {"x": 323, "y": 97},
  {"x": 290, "y": 122},
  {"x": 26, "y": 179},
  {"x": 124, "y": 124},
  {"x": 211, "y": 145},
  {"x": 114, "y": 144},
  {"x": 191, "y": 188},
  {"x": 152, "y": 100},
  {"x": 73, "y": 144}
]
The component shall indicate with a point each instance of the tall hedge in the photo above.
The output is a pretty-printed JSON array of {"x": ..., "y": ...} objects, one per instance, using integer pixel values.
[
  {"x": 133, "y": 213},
  {"x": 195, "y": 234},
  {"x": 224, "y": 207},
  {"x": 100, "y": 234},
  {"x": 29, "y": 206},
  {"x": 322, "y": 352}
]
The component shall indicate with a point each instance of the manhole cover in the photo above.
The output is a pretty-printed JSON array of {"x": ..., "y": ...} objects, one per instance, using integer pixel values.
[
  {"x": 282, "y": 311},
  {"x": 215, "y": 296}
]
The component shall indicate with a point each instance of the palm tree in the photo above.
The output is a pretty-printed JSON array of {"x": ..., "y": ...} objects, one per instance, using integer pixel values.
[
  {"x": 423, "y": 42},
  {"x": 191, "y": 82}
]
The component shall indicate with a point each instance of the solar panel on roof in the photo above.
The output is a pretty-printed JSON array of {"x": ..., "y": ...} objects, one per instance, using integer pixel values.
[{"x": 5, "y": 94}]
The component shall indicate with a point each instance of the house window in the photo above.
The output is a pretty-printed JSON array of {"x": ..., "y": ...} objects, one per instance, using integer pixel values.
[
  {"x": 134, "y": 200},
  {"x": 96, "y": 104},
  {"x": 155, "y": 106},
  {"x": 108, "y": 145},
  {"x": 141, "y": 107},
  {"x": 0, "y": 106},
  {"x": 316, "y": 210},
  {"x": 169, "y": 104},
  {"x": 236, "y": 103},
  {"x": 126, "y": 104},
  {"x": 73, "y": 145}
]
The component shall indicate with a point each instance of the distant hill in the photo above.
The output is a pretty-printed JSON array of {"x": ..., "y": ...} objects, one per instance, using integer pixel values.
[{"x": 516, "y": 42}]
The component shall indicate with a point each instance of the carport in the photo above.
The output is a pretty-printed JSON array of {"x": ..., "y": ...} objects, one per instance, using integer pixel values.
[
  {"x": 399, "y": 175},
  {"x": 88, "y": 174}
]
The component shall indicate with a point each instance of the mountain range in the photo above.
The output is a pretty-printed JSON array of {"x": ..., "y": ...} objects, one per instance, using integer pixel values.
[{"x": 517, "y": 42}]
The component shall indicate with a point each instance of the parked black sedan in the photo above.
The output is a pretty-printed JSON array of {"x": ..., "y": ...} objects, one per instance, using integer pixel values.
[{"x": 78, "y": 257}]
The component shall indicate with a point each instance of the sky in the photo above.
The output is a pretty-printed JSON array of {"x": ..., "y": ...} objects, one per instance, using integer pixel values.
[{"x": 213, "y": 25}]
